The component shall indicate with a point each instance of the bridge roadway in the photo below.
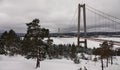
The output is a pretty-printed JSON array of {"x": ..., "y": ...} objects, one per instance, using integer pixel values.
[{"x": 102, "y": 40}]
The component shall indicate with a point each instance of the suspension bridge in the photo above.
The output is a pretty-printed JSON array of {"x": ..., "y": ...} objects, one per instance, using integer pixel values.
[{"x": 92, "y": 20}]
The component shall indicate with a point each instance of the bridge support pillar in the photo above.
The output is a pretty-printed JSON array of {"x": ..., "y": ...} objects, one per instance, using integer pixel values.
[{"x": 84, "y": 22}]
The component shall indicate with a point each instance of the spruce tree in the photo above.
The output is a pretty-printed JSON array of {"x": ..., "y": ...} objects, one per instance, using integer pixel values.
[
  {"x": 33, "y": 44},
  {"x": 4, "y": 37},
  {"x": 50, "y": 47},
  {"x": 10, "y": 42},
  {"x": 73, "y": 51},
  {"x": 3, "y": 41},
  {"x": 2, "y": 48},
  {"x": 105, "y": 52},
  {"x": 13, "y": 42}
]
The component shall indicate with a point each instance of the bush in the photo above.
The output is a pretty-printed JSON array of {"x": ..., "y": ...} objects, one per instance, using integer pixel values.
[
  {"x": 95, "y": 59},
  {"x": 76, "y": 61}
]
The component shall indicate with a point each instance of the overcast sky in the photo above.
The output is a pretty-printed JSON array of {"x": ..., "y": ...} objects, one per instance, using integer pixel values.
[{"x": 53, "y": 14}]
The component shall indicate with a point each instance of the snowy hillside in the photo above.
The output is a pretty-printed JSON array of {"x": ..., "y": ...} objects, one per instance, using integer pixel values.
[{"x": 20, "y": 63}]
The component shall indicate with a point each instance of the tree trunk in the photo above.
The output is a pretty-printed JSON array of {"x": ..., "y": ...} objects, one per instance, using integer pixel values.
[
  {"x": 38, "y": 59},
  {"x": 102, "y": 63},
  {"x": 38, "y": 63},
  {"x": 107, "y": 62},
  {"x": 111, "y": 60}
]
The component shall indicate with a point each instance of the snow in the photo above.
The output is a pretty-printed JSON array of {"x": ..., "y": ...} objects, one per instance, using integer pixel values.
[
  {"x": 58, "y": 40},
  {"x": 15, "y": 63},
  {"x": 72, "y": 40},
  {"x": 91, "y": 43},
  {"x": 110, "y": 38},
  {"x": 20, "y": 63},
  {"x": 58, "y": 64}
]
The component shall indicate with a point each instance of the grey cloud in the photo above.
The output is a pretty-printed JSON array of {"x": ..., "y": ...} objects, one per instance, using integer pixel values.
[{"x": 53, "y": 14}]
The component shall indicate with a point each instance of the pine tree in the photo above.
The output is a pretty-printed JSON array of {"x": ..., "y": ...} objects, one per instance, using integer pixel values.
[
  {"x": 73, "y": 51},
  {"x": 2, "y": 48},
  {"x": 33, "y": 44},
  {"x": 13, "y": 43},
  {"x": 10, "y": 42},
  {"x": 50, "y": 47},
  {"x": 3, "y": 41},
  {"x": 105, "y": 52},
  {"x": 4, "y": 37}
]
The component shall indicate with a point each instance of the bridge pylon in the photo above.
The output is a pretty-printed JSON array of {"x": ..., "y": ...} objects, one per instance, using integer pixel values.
[{"x": 82, "y": 6}]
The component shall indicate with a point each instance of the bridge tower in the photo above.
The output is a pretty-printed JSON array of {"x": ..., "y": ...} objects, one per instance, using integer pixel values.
[{"x": 82, "y": 6}]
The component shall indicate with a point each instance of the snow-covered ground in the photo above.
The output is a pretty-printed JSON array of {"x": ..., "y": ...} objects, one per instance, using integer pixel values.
[
  {"x": 57, "y": 40},
  {"x": 20, "y": 63},
  {"x": 111, "y": 38},
  {"x": 91, "y": 43}
]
